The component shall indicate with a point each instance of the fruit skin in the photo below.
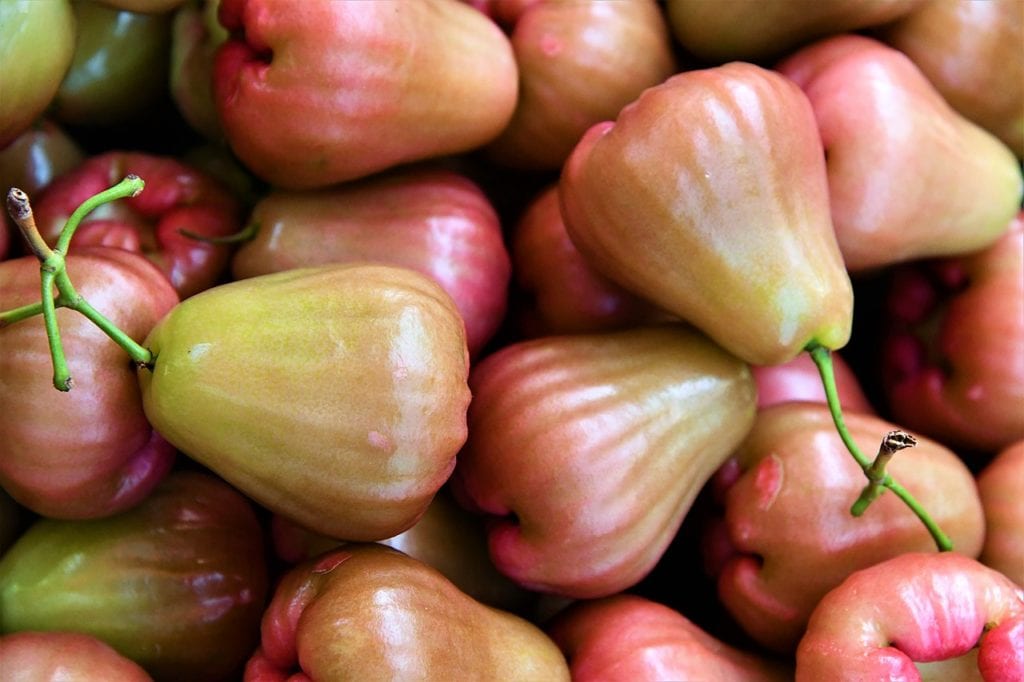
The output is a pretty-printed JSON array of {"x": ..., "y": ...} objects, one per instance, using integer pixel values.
[
  {"x": 447, "y": 537},
  {"x": 579, "y": 64},
  {"x": 951, "y": 353},
  {"x": 64, "y": 657},
  {"x": 335, "y": 396},
  {"x": 333, "y": 91},
  {"x": 915, "y": 607},
  {"x": 371, "y": 612},
  {"x": 176, "y": 584},
  {"x": 557, "y": 291},
  {"x": 32, "y": 75},
  {"x": 909, "y": 177},
  {"x": 590, "y": 449},
  {"x": 119, "y": 68},
  {"x": 627, "y": 638},
  {"x": 788, "y": 517},
  {"x": 435, "y": 221},
  {"x": 88, "y": 452},
  {"x": 999, "y": 485},
  {"x": 799, "y": 380},
  {"x": 755, "y": 30},
  {"x": 970, "y": 51},
  {"x": 708, "y": 196},
  {"x": 177, "y": 197}
]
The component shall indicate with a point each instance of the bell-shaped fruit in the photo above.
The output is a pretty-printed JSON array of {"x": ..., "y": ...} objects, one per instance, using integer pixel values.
[
  {"x": 435, "y": 221},
  {"x": 590, "y": 450},
  {"x": 626, "y": 638},
  {"x": 335, "y": 396},
  {"x": 914, "y": 607},
  {"x": 708, "y": 196},
  {"x": 800, "y": 380},
  {"x": 970, "y": 51},
  {"x": 332, "y": 91},
  {"x": 88, "y": 452},
  {"x": 788, "y": 517},
  {"x": 999, "y": 485},
  {"x": 371, "y": 612},
  {"x": 952, "y": 353},
  {"x": 908, "y": 176},
  {"x": 177, "y": 584},
  {"x": 579, "y": 63}
]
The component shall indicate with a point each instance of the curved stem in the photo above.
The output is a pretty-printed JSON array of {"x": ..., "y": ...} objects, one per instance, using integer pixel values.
[
  {"x": 130, "y": 186},
  {"x": 878, "y": 481}
]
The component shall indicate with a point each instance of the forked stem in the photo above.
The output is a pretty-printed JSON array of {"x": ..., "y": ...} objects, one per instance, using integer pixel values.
[
  {"x": 53, "y": 274},
  {"x": 878, "y": 479}
]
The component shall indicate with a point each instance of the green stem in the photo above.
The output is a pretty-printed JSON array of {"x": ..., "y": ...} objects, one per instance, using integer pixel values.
[
  {"x": 61, "y": 373},
  {"x": 53, "y": 273},
  {"x": 878, "y": 480},
  {"x": 130, "y": 186},
  {"x": 9, "y": 317},
  {"x": 69, "y": 298}
]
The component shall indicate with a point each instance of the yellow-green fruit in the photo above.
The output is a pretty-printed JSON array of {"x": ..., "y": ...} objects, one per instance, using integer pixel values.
[{"x": 335, "y": 396}]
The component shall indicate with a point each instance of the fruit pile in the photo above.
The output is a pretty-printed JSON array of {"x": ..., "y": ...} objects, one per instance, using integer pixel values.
[{"x": 512, "y": 340}]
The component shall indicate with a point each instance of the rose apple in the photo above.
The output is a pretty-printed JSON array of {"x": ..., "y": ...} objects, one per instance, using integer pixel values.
[
  {"x": 335, "y": 396},
  {"x": 437, "y": 222},
  {"x": 970, "y": 51},
  {"x": 590, "y": 449},
  {"x": 915, "y": 607},
  {"x": 64, "y": 657},
  {"x": 1000, "y": 484},
  {"x": 559, "y": 292},
  {"x": 32, "y": 72},
  {"x": 708, "y": 196},
  {"x": 119, "y": 67},
  {"x": 88, "y": 452},
  {"x": 369, "y": 611},
  {"x": 953, "y": 366},
  {"x": 908, "y": 176},
  {"x": 333, "y": 91},
  {"x": 177, "y": 198},
  {"x": 633, "y": 639},
  {"x": 579, "y": 63},
  {"x": 787, "y": 516},
  {"x": 176, "y": 584}
]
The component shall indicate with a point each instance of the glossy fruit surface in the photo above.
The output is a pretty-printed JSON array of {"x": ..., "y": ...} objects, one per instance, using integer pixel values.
[
  {"x": 335, "y": 396},
  {"x": 88, "y": 452},
  {"x": 590, "y": 449},
  {"x": 332, "y": 91},
  {"x": 176, "y": 584},
  {"x": 708, "y": 196},
  {"x": 368, "y": 611},
  {"x": 788, "y": 515}
]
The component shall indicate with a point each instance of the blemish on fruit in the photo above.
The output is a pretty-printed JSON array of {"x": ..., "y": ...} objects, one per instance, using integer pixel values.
[
  {"x": 379, "y": 440},
  {"x": 768, "y": 478}
]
